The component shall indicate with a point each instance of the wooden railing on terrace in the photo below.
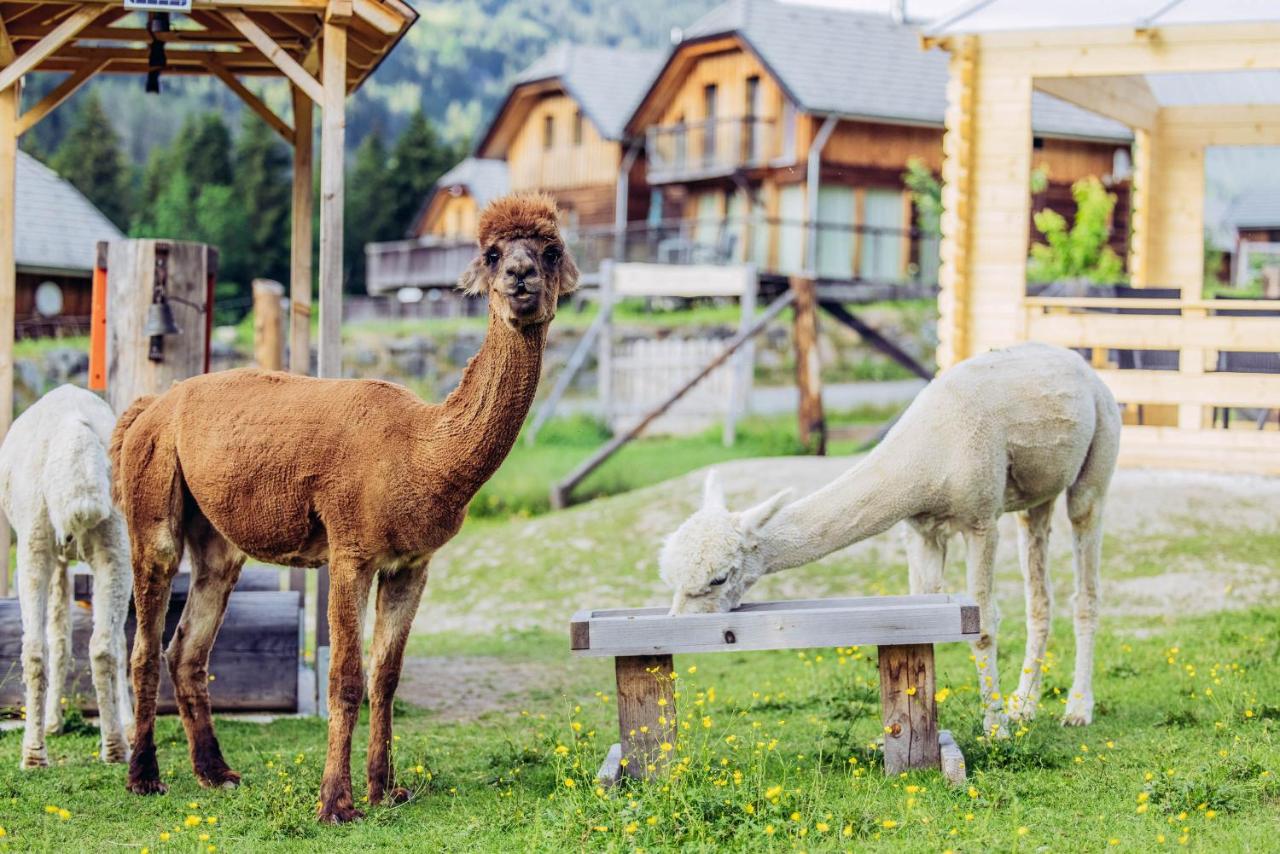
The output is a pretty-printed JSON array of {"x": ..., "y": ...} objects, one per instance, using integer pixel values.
[
  {"x": 708, "y": 149},
  {"x": 1182, "y": 368}
]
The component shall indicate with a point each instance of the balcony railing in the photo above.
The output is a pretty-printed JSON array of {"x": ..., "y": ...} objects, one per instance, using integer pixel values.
[
  {"x": 707, "y": 149},
  {"x": 845, "y": 253}
]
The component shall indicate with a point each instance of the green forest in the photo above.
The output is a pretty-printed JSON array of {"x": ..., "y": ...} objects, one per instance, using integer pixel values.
[{"x": 192, "y": 163}]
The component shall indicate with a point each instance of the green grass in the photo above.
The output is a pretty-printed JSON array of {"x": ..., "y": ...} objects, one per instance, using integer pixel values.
[
  {"x": 775, "y": 747},
  {"x": 521, "y": 487}
]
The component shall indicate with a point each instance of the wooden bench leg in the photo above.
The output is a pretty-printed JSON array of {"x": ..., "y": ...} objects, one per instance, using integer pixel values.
[
  {"x": 646, "y": 718},
  {"x": 909, "y": 709}
]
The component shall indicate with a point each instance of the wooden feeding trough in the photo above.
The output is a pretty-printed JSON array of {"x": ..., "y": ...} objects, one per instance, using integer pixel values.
[{"x": 643, "y": 642}]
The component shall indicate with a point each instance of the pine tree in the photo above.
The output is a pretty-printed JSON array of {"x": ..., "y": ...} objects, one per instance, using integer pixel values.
[
  {"x": 202, "y": 150},
  {"x": 417, "y": 161},
  {"x": 90, "y": 158},
  {"x": 370, "y": 216},
  {"x": 263, "y": 189}
]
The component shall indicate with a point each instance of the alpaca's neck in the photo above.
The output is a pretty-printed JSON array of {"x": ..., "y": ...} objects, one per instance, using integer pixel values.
[
  {"x": 864, "y": 501},
  {"x": 480, "y": 419}
]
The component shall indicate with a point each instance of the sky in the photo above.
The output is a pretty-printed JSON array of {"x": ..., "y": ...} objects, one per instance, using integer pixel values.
[{"x": 917, "y": 10}]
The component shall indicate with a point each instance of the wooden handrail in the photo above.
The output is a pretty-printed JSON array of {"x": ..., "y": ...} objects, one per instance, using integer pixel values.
[{"x": 1154, "y": 303}]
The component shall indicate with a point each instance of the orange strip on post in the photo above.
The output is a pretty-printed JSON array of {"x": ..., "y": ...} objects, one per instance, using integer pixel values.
[{"x": 98, "y": 329}]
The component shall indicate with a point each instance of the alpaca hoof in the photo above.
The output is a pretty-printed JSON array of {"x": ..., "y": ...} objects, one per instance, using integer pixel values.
[
  {"x": 147, "y": 787},
  {"x": 339, "y": 815},
  {"x": 34, "y": 760},
  {"x": 115, "y": 753},
  {"x": 1079, "y": 711},
  {"x": 398, "y": 795},
  {"x": 224, "y": 779}
]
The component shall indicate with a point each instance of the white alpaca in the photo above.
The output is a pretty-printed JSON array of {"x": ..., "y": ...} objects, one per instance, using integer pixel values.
[
  {"x": 1005, "y": 431},
  {"x": 55, "y": 489}
]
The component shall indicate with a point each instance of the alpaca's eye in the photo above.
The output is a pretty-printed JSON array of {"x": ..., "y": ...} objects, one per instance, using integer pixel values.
[
  {"x": 491, "y": 257},
  {"x": 716, "y": 582},
  {"x": 551, "y": 254}
]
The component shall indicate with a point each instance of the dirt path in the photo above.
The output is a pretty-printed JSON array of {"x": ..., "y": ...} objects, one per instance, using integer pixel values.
[{"x": 464, "y": 688}]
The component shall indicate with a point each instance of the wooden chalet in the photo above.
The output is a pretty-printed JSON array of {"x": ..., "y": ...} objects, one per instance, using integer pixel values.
[
  {"x": 56, "y": 232},
  {"x": 771, "y": 122},
  {"x": 1199, "y": 375}
]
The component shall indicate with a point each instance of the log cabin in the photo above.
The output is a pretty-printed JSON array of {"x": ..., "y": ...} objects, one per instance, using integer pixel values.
[
  {"x": 774, "y": 133},
  {"x": 55, "y": 239},
  {"x": 768, "y": 117}
]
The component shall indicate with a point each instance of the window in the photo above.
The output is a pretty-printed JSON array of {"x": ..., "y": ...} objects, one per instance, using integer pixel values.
[
  {"x": 750, "y": 137},
  {"x": 709, "y": 123},
  {"x": 577, "y": 128},
  {"x": 548, "y": 131}
]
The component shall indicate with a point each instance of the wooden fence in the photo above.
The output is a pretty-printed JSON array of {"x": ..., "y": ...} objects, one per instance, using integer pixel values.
[
  {"x": 1183, "y": 369},
  {"x": 646, "y": 371}
]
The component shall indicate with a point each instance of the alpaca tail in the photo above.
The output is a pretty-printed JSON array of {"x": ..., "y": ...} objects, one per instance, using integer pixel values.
[
  {"x": 123, "y": 424},
  {"x": 77, "y": 483}
]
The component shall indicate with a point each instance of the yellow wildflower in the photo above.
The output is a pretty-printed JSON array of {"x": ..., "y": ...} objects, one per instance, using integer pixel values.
[{"x": 568, "y": 783}]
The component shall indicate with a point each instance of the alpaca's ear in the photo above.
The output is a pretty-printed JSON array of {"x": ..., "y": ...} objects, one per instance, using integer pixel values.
[
  {"x": 568, "y": 274},
  {"x": 713, "y": 492},
  {"x": 757, "y": 517},
  {"x": 475, "y": 279}
]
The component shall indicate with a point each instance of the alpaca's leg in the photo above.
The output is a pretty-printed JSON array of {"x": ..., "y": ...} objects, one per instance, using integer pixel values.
[
  {"x": 348, "y": 595},
  {"x": 981, "y": 557},
  {"x": 1086, "y": 524},
  {"x": 58, "y": 627},
  {"x": 155, "y": 560},
  {"x": 35, "y": 566},
  {"x": 1033, "y": 554},
  {"x": 926, "y": 557},
  {"x": 399, "y": 594},
  {"x": 215, "y": 567},
  {"x": 109, "y": 561}
]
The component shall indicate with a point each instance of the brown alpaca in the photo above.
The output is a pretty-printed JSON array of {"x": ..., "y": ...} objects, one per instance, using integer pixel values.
[{"x": 299, "y": 471}]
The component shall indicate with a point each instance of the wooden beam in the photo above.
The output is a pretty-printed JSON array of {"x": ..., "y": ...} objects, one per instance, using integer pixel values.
[
  {"x": 301, "y": 240},
  {"x": 1140, "y": 198},
  {"x": 954, "y": 279},
  {"x": 268, "y": 324},
  {"x": 332, "y": 153},
  {"x": 57, "y": 37},
  {"x": 54, "y": 99},
  {"x": 1128, "y": 100},
  {"x": 380, "y": 18},
  {"x": 795, "y": 624},
  {"x": 812, "y": 423},
  {"x": 250, "y": 99},
  {"x": 647, "y": 721},
  {"x": 8, "y": 266},
  {"x": 908, "y": 708},
  {"x": 278, "y": 56},
  {"x": 1223, "y": 124},
  {"x": 872, "y": 336}
]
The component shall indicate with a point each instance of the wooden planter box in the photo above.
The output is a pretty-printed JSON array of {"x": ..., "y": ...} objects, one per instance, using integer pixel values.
[{"x": 254, "y": 663}]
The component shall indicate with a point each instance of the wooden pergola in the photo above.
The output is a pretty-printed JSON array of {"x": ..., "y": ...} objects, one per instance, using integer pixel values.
[
  {"x": 325, "y": 49},
  {"x": 1108, "y": 58}
]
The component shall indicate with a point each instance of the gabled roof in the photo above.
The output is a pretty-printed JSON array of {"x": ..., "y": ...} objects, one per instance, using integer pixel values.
[
  {"x": 865, "y": 65},
  {"x": 57, "y": 228},
  {"x": 1003, "y": 15},
  {"x": 606, "y": 82},
  {"x": 1256, "y": 209},
  {"x": 484, "y": 180}
]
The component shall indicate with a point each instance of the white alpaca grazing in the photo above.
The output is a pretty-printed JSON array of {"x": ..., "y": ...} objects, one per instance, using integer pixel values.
[
  {"x": 1007, "y": 431},
  {"x": 55, "y": 489}
]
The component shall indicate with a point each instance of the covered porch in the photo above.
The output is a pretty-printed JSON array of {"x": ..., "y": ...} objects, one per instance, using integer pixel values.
[{"x": 1186, "y": 76}]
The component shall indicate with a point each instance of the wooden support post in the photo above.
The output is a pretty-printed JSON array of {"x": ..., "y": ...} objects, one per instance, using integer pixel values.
[
  {"x": 300, "y": 247},
  {"x": 813, "y": 426},
  {"x": 908, "y": 707},
  {"x": 268, "y": 324},
  {"x": 8, "y": 269},
  {"x": 872, "y": 336},
  {"x": 332, "y": 153},
  {"x": 646, "y": 714},
  {"x": 61, "y": 93}
]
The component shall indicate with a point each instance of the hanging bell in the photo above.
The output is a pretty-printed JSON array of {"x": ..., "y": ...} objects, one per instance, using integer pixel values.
[{"x": 160, "y": 320}]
